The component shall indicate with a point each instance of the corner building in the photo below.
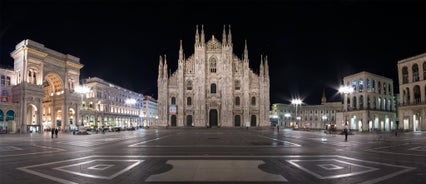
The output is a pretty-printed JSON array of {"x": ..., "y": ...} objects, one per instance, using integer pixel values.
[
  {"x": 412, "y": 89},
  {"x": 213, "y": 87},
  {"x": 371, "y": 105}
]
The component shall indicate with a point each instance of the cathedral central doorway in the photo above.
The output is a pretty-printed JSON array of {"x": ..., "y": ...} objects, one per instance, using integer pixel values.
[
  {"x": 213, "y": 118},
  {"x": 173, "y": 122}
]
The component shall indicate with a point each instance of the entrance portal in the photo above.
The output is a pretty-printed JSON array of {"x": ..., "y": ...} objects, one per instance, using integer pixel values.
[
  {"x": 213, "y": 117},
  {"x": 189, "y": 120},
  {"x": 237, "y": 120},
  {"x": 173, "y": 120}
]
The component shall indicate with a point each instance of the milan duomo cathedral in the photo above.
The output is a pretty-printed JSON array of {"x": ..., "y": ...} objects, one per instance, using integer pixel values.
[{"x": 213, "y": 87}]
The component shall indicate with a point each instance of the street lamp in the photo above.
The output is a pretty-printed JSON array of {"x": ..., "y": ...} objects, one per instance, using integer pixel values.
[
  {"x": 324, "y": 119},
  {"x": 287, "y": 117},
  {"x": 82, "y": 90},
  {"x": 130, "y": 102},
  {"x": 346, "y": 90},
  {"x": 296, "y": 102}
]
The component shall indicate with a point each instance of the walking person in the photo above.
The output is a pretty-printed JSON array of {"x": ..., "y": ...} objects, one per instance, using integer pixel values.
[
  {"x": 346, "y": 134},
  {"x": 56, "y": 132},
  {"x": 53, "y": 132}
]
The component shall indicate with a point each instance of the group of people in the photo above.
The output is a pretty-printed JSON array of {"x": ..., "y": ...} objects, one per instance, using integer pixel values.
[{"x": 55, "y": 132}]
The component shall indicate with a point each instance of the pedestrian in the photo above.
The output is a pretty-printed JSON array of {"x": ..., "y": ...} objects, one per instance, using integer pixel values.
[
  {"x": 56, "y": 132},
  {"x": 247, "y": 125},
  {"x": 396, "y": 132},
  {"x": 53, "y": 132},
  {"x": 278, "y": 128},
  {"x": 346, "y": 134}
]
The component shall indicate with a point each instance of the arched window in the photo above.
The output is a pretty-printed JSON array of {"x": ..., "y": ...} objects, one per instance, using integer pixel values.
[
  {"x": 367, "y": 81},
  {"x": 404, "y": 75},
  {"x": 368, "y": 102},
  {"x": 415, "y": 73},
  {"x": 354, "y": 84},
  {"x": 361, "y": 102},
  {"x": 389, "y": 89},
  {"x": 379, "y": 103},
  {"x": 213, "y": 88},
  {"x": 416, "y": 91},
  {"x": 374, "y": 86},
  {"x": 213, "y": 65},
  {"x": 384, "y": 104},
  {"x": 389, "y": 105},
  {"x": 173, "y": 100},
  {"x": 3, "y": 80},
  {"x": 361, "y": 85},
  {"x": 237, "y": 101},
  {"x": 237, "y": 85},
  {"x": 379, "y": 87},
  {"x": 374, "y": 103},
  {"x": 253, "y": 100},
  {"x": 354, "y": 102},
  {"x": 188, "y": 85},
  {"x": 189, "y": 101},
  {"x": 384, "y": 88},
  {"x": 424, "y": 70}
]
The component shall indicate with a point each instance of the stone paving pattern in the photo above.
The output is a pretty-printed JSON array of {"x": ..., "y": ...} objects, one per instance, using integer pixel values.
[{"x": 213, "y": 155}]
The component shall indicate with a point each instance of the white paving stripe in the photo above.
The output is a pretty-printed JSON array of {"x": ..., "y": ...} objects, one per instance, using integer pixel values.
[
  {"x": 53, "y": 150},
  {"x": 286, "y": 142}
]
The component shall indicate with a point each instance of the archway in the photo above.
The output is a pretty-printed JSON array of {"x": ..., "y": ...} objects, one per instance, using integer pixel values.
[
  {"x": 253, "y": 120},
  {"x": 237, "y": 120},
  {"x": 32, "y": 123},
  {"x": 213, "y": 119},
  {"x": 189, "y": 120},
  {"x": 53, "y": 87},
  {"x": 2, "y": 124},
  {"x": 173, "y": 121}
]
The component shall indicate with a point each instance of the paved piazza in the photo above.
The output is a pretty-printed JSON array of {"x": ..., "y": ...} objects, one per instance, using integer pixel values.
[{"x": 213, "y": 155}]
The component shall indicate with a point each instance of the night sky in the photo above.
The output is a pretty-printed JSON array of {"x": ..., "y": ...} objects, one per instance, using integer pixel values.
[{"x": 311, "y": 45}]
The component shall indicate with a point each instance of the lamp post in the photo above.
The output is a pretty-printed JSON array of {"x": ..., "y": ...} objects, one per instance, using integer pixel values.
[
  {"x": 130, "y": 102},
  {"x": 346, "y": 90},
  {"x": 287, "y": 117},
  {"x": 296, "y": 102},
  {"x": 324, "y": 119},
  {"x": 82, "y": 90}
]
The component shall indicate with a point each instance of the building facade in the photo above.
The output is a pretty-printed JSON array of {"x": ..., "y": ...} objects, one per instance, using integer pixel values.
[
  {"x": 149, "y": 111},
  {"x": 8, "y": 109},
  {"x": 42, "y": 92},
  {"x": 107, "y": 105},
  {"x": 213, "y": 87},
  {"x": 371, "y": 105},
  {"x": 310, "y": 116},
  {"x": 412, "y": 93}
]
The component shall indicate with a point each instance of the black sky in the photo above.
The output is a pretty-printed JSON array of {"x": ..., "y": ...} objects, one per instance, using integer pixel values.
[{"x": 311, "y": 45}]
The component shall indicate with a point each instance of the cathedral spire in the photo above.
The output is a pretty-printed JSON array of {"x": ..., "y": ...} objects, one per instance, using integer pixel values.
[
  {"x": 224, "y": 36},
  {"x": 165, "y": 75},
  {"x": 323, "y": 99},
  {"x": 160, "y": 67},
  {"x": 261, "y": 67},
  {"x": 266, "y": 67},
  {"x": 180, "y": 51},
  {"x": 197, "y": 37},
  {"x": 229, "y": 35},
  {"x": 202, "y": 35},
  {"x": 245, "y": 51}
]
